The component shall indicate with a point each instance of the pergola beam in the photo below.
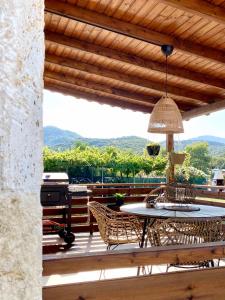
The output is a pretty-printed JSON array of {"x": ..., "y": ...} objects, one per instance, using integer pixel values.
[
  {"x": 196, "y": 97},
  {"x": 98, "y": 88},
  {"x": 132, "y": 59},
  {"x": 72, "y": 90},
  {"x": 204, "y": 110},
  {"x": 131, "y": 30},
  {"x": 201, "y": 8},
  {"x": 139, "y": 98}
]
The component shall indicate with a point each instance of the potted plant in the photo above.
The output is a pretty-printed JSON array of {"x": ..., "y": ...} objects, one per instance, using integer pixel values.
[
  {"x": 177, "y": 158},
  {"x": 153, "y": 149},
  {"x": 119, "y": 198}
]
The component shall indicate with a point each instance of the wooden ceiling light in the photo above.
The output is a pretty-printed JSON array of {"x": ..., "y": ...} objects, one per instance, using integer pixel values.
[{"x": 166, "y": 116}]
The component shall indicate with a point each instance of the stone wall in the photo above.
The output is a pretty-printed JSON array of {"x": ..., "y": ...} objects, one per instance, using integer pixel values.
[{"x": 21, "y": 72}]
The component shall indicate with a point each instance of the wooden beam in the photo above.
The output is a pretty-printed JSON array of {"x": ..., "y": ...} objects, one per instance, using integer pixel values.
[
  {"x": 72, "y": 91},
  {"x": 131, "y": 59},
  {"x": 138, "y": 97},
  {"x": 206, "y": 110},
  {"x": 73, "y": 86},
  {"x": 196, "y": 97},
  {"x": 207, "y": 284},
  {"x": 131, "y": 30},
  {"x": 200, "y": 8},
  {"x": 101, "y": 87},
  {"x": 64, "y": 264}
]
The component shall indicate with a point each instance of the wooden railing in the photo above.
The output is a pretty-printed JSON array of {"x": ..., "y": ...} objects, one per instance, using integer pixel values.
[
  {"x": 104, "y": 193},
  {"x": 209, "y": 191},
  {"x": 196, "y": 284}
]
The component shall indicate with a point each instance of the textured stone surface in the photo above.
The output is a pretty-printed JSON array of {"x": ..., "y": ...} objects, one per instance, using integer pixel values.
[{"x": 21, "y": 69}]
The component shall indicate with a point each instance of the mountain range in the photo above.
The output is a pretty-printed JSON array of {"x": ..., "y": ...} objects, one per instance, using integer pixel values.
[{"x": 60, "y": 139}]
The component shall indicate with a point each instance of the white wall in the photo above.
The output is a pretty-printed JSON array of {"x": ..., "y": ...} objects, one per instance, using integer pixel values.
[{"x": 21, "y": 68}]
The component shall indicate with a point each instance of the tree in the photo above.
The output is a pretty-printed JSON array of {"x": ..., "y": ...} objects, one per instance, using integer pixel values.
[
  {"x": 199, "y": 156},
  {"x": 218, "y": 162},
  {"x": 86, "y": 161},
  {"x": 192, "y": 175}
]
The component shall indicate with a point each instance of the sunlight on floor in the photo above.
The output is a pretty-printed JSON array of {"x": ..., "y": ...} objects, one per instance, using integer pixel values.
[{"x": 86, "y": 243}]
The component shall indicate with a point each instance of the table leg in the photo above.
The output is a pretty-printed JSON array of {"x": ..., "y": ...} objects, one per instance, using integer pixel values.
[
  {"x": 147, "y": 222},
  {"x": 144, "y": 232},
  {"x": 143, "y": 241}
]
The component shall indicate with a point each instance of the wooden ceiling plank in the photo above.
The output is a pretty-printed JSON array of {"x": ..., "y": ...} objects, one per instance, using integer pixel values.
[
  {"x": 139, "y": 97},
  {"x": 204, "y": 110},
  {"x": 131, "y": 30},
  {"x": 91, "y": 97},
  {"x": 201, "y": 8},
  {"x": 123, "y": 8},
  {"x": 100, "y": 71},
  {"x": 137, "y": 10},
  {"x": 132, "y": 59}
]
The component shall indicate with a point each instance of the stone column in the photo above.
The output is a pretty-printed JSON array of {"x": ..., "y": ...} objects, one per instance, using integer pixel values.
[{"x": 21, "y": 72}]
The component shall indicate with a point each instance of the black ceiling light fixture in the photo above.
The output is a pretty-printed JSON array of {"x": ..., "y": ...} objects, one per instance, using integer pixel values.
[{"x": 167, "y": 50}]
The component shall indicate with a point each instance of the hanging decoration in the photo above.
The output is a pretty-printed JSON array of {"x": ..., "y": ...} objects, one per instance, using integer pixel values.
[{"x": 166, "y": 116}]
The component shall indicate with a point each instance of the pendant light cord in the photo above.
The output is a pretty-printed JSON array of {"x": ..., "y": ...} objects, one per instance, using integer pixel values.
[{"x": 166, "y": 75}]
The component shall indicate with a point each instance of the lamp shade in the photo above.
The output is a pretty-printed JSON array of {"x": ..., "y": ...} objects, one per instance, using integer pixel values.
[{"x": 165, "y": 117}]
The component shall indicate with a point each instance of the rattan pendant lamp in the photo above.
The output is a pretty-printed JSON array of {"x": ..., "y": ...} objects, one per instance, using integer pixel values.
[{"x": 166, "y": 116}]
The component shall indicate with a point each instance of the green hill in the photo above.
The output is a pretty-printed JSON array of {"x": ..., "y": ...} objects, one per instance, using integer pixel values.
[
  {"x": 63, "y": 139},
  {"x": 133, "y": 143},
  {"x": 60, "y": 139}
]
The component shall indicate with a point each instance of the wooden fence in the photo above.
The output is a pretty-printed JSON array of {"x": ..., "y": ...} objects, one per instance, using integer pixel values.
[
  {"x": 207, "y": 284},
  {"x": 104, "y": 193}
]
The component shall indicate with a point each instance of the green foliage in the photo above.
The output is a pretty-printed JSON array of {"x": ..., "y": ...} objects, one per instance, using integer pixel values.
[
  {"x": 159, "y": 165},
  {"x": 153, "y": 144},
  {"x": 119, "y": 196},
  {"x": 82, "y": 160},
  {"x": 218, "y": 162},
  {"x": 186, "y": 172},
  {"x": 199, "y": 156},
  {"x": 191, "y": 174},
  {"x": 86, "y": 161}
]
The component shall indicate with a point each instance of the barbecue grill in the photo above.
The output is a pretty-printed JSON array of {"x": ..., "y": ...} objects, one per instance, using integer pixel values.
[{"x": 55, "y": 192}]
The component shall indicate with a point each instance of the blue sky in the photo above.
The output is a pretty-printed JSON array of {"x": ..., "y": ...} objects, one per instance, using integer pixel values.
[{"x": 91, "y": 119}]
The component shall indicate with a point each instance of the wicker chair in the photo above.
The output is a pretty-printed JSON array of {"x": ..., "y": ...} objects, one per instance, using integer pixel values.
[
  {"x": 116, "y": 228},
  {"x": 174, "y": 192},
  {"x": 177, "y": 231}
]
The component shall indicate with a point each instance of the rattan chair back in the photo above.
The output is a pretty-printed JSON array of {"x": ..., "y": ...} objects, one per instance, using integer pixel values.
[
  {"x": 174, "y": 231},
  {"x": 174, "y": 192},
  {"x": 115, "y": 228},
  {"x": 181, "y": 193},
  {"x": 179, "y": 231}
]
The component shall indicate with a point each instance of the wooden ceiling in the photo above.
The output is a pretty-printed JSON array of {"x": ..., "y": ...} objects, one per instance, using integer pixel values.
[{"x": 109, "y": 51}]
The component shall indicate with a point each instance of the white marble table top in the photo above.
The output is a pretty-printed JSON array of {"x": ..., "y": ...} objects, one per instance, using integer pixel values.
[{"x": 205, "y": 211}]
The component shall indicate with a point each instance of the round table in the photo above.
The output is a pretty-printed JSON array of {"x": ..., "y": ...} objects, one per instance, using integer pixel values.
[{"x": 206, "y": 211}]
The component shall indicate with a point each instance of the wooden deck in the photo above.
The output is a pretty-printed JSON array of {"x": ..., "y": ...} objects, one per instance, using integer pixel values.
[
  {"x": 74, "y": 277},
  {"x": 87, "y": 244}
]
